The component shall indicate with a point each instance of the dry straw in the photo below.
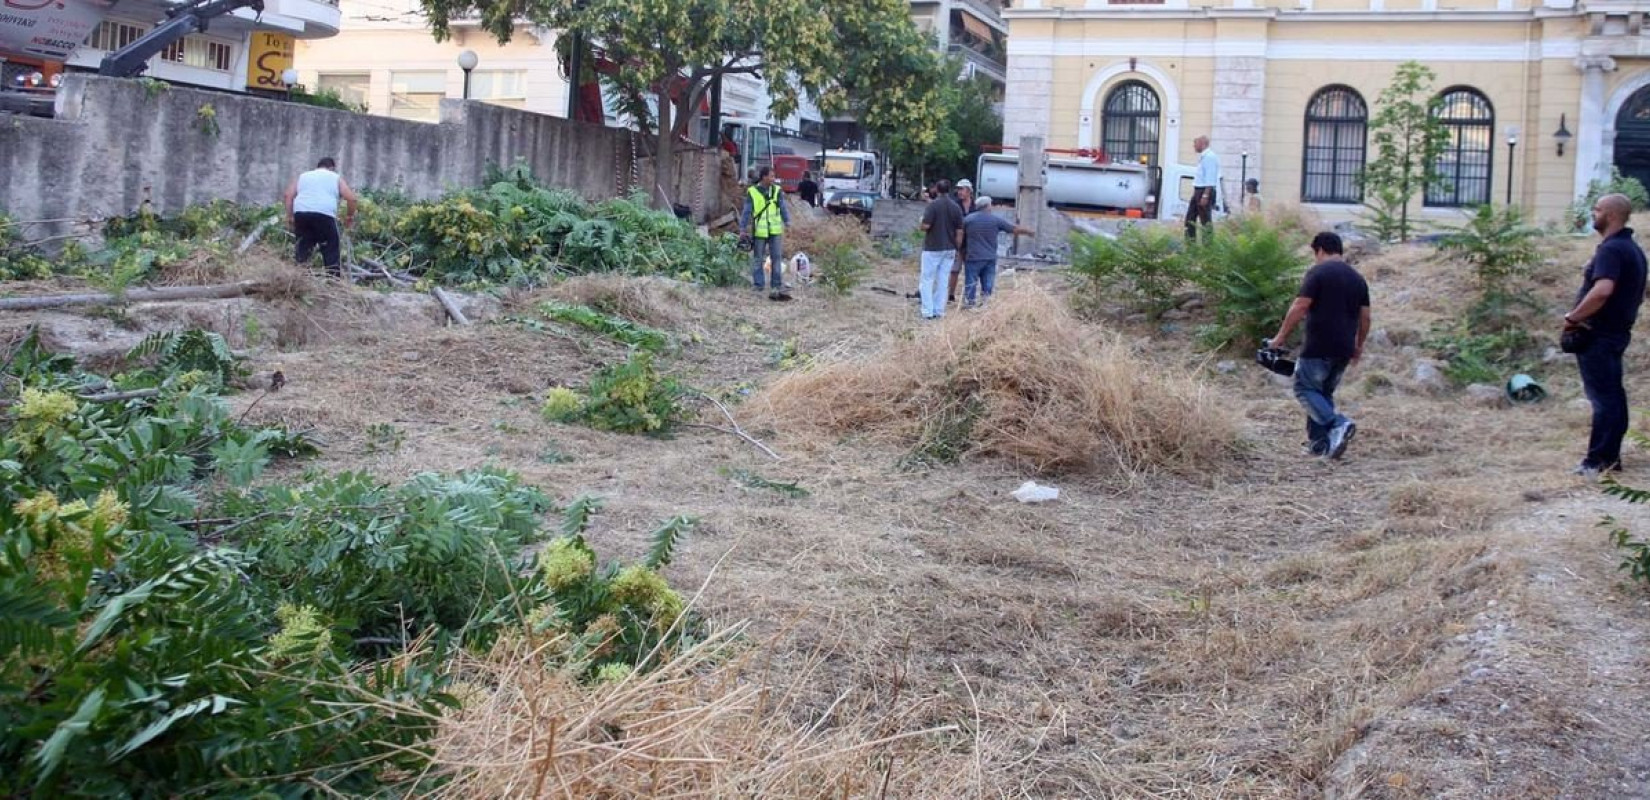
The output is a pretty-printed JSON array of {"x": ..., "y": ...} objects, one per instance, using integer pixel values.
[
  {"x": 706, "y": 724},
  {"x": 1022, "y": 380}
]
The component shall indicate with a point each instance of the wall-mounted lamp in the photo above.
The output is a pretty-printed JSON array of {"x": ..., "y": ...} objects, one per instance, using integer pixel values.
[{"x": 1562, "y": 135}]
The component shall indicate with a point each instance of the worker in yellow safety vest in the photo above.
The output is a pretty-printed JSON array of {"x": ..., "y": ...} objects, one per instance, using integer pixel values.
[{"x": 764, "y": 218}]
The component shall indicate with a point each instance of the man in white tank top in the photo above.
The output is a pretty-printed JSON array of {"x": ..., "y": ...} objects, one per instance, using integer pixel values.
[{"x": 312, "y": 212}]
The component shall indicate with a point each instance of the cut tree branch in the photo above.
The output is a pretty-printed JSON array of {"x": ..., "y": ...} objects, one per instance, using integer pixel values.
[
  {"x": 214, "y": 292},
  {"x": 734, "y": 430}
]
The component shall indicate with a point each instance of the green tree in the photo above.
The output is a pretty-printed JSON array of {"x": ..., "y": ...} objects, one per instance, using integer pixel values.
[
  {"x": 864, "y": 57},
  {"x": 968, "y": 120},
  {"x": 1408, "y": 141}
]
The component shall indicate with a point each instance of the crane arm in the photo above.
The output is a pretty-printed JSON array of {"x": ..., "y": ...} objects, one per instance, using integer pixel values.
[{"x": 131, "y": 60}]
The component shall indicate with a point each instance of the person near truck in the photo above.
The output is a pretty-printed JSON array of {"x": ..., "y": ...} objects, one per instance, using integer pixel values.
[
  {"x": 942, "y": 237},
  {"x": 1334, "y": 302},
  {"x": 764, "y": 218},
  {"x": 1200, "y": 212},
  {"x": 1599, "y": 327},
  {"x": 312, "y": 213},
  {"x": 808, "y": 190},
  {"x": 980, "y": 230}
]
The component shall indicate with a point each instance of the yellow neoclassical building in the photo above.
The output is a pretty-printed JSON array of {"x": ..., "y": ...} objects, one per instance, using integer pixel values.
[{"x": 1292, "y": 83}]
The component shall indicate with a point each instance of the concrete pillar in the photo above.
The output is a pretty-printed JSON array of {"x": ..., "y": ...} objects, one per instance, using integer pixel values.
[
  {"x": 1595, "y": 135},
  {"x": 1029, "y": 201},
  {"x": 1239, "y": 111}
]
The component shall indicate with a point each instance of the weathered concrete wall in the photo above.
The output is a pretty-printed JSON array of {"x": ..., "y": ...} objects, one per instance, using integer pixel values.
[{"x": 116, "y": 145}]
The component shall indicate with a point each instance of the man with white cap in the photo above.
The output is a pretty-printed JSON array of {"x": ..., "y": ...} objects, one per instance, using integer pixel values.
[
  {"x": 980, "y": 230},
  {"x": 965, "y": 201}
]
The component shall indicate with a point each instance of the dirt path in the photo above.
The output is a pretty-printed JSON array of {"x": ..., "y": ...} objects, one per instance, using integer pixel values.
[{"x": 1549, "y": 697}]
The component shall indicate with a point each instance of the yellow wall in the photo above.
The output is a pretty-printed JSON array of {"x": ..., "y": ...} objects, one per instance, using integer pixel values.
[{"x": 1524, "y": 93}]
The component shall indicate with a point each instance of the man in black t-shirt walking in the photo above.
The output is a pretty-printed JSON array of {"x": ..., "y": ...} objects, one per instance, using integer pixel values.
[
  {"x": 1607, "y": 305},
  {"x": 1334, "y": 301}
]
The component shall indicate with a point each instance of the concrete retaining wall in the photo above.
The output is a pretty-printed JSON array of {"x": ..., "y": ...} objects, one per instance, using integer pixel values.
[{"x": 116, "y": 145}]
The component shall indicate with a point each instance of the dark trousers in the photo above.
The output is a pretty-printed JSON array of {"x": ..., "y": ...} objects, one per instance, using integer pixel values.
[
  {"x": 1200, "y": 211},
  {"x": 1600, "y": 366},
  {"x": 317, "y": 230}
]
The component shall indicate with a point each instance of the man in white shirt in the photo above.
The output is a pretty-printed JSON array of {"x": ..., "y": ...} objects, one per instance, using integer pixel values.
[
  {"x": 312, "y": 212},
  {"x": 1201, "y": 209}
]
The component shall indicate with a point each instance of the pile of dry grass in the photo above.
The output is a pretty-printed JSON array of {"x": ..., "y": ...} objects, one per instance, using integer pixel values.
[
  {"x": 704, "y": 725},
  {"x": 654, "y": 301},
  {"x": 814, "y": 233},
  {"x": 1022, "y": 380}
]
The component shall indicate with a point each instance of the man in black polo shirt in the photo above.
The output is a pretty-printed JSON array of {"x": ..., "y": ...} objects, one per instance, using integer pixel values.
[
  {"x": 1334, "y": 301},
  {"x": 1607, "y": 305}
]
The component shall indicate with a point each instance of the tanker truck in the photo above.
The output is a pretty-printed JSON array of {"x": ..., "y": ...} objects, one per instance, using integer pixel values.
[{"x": 1081, "y": 181}]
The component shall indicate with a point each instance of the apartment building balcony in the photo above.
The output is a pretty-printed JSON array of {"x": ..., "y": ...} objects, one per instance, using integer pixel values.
[{"x": 984, "y": 64}]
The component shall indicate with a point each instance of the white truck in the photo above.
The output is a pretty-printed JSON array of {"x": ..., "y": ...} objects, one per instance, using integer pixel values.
[
  {"x": 853, "y": 171},
  {"x": 1077, "y": 182}
]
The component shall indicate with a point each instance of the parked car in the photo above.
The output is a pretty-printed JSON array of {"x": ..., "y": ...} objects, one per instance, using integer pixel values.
[{"x": 856, "y": 204}]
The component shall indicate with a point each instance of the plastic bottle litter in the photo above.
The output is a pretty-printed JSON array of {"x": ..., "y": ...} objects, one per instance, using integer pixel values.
[{"x": 1034, "y": 492}]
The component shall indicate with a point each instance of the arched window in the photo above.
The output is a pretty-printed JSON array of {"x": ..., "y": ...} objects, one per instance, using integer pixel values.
[
  {"x": 1337, "y": 123},
  {"x": 1131, "y": 118},
  {"x": 1464, "y": 166}
]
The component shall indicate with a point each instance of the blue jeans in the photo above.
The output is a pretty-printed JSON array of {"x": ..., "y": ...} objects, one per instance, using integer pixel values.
[
  {"x": 774, "y": 247},
  {"x": 1315, "y": 382},
  {"x": 1600, "y": 366},
  {"x": 936, "y": 270},
  {"x": 982, "y": 272}
]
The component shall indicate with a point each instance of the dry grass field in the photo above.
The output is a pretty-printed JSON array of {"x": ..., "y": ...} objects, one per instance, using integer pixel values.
[{"x": 1203, "y": 613}]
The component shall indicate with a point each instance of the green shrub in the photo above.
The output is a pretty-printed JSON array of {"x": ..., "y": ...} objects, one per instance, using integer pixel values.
[
  {"x": 1501, "y": 248},
  {"x": 1635, "y": 552},
  {"x": 19, "y": 261},
  {"x": 1582, "y": 212},
  {"x": 1144, "y": 267},
  {"x": 1473, "y": 357},
  {"x": 598, "y": 619},
  {"x": 514, "y": 232},
  {"x": 389, "y": 562},
  {"x": 168, "y": 630},
  {"x": 615, "y": 328},
  {"x": 324, "y": 98},
  {"x": 1249, "y": 271},
  {"x": 840, "y": 267},
  {"x": 626, "y": 398}
]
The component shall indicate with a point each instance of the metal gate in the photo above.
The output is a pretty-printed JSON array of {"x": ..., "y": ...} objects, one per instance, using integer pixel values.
[{"x": 1633, "y": 137}]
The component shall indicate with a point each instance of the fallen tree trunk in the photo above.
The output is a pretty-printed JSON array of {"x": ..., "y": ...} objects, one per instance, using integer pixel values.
[
  {"x": 252, "y": 238},
  {"x": 214, "y": 292},
  {"x": 451, "y": 304}
]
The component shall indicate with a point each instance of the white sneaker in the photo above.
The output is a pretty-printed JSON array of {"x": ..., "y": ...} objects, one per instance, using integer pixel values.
[{"x": 1339, "y": 437}]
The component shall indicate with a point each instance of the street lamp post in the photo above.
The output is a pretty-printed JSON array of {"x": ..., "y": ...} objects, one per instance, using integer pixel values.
[
  {"x": 467, "y": 61},
  {"x": 1512, "y": 145},
  {"x": 289, "y": 77},
  {"x": 1243, "y": 180}
]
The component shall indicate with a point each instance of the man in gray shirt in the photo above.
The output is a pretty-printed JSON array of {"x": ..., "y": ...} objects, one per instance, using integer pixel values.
[{"x": 980, "y": 230}]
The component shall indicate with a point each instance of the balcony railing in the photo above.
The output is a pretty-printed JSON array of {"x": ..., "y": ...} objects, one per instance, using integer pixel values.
[{"x": 988, "y": 65}]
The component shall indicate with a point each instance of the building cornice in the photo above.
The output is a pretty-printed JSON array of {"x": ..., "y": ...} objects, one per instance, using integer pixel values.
[
  {"x": 1281, "y": 15},
  {"x": 1290, "y": 50}
]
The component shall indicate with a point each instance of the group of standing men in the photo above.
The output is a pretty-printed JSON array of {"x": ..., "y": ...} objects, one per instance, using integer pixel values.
[{"x": 959, "y": 239}]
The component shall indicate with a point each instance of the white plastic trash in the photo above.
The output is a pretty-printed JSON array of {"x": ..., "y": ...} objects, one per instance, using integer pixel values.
[{"x": 1034, "y": 492}]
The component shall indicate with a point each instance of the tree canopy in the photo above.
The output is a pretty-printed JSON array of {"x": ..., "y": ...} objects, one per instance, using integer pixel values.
[
  {"x": 863, "y": 57},
  {"x": 967, "y": 120}
]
